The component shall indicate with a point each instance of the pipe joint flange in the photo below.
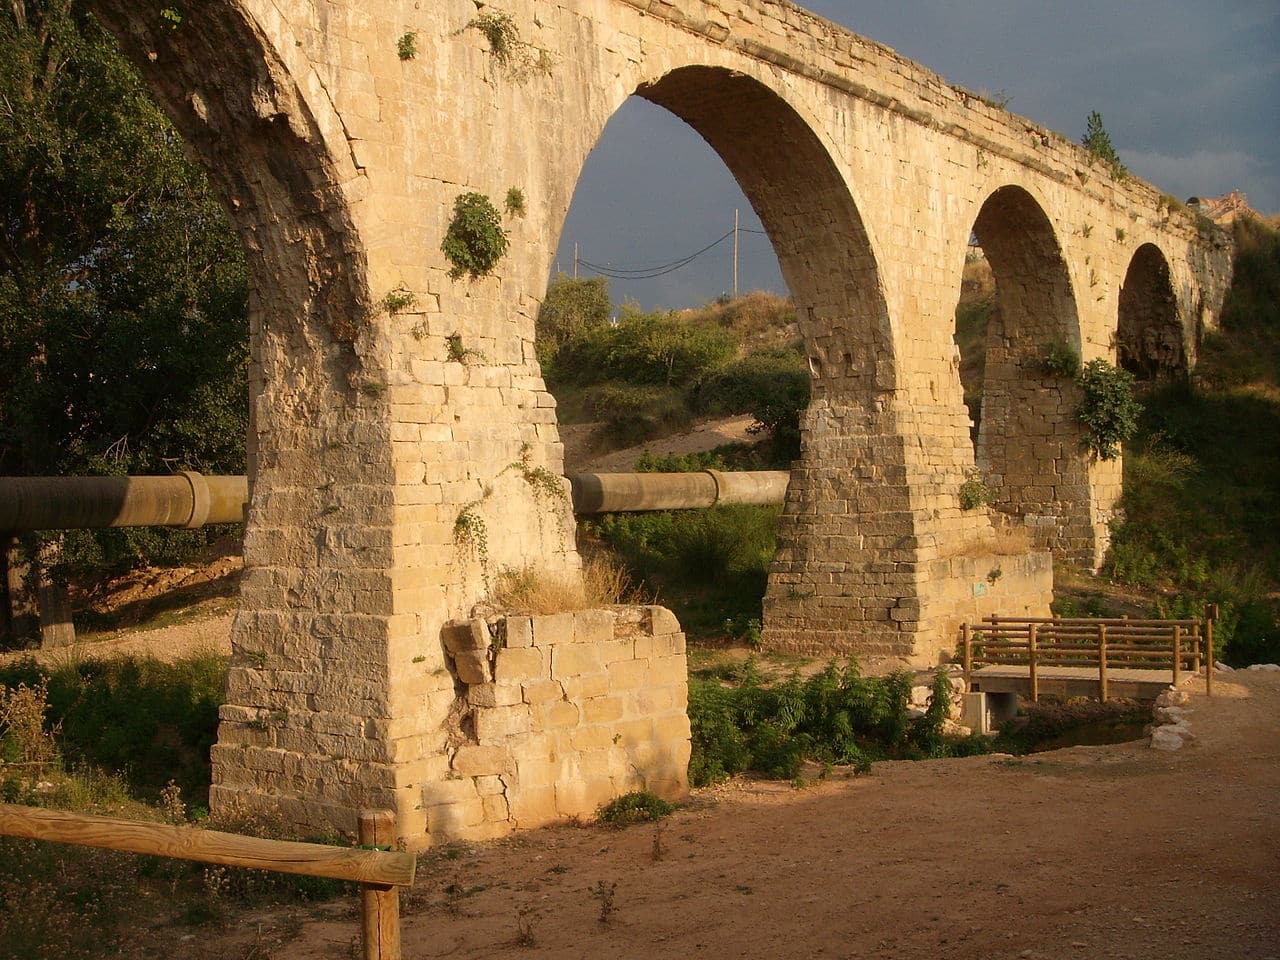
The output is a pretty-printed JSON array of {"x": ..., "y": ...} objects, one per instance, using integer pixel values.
[
  {"x": 720, "y": 482},
  {"x": 199, "y": 499}
]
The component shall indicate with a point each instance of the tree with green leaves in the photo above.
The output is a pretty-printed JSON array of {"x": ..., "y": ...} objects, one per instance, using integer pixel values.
[
  {"x": 1098, "y": 142},
  {"x": 571, "y": 311},
  {"x": 123, "y": 321}
]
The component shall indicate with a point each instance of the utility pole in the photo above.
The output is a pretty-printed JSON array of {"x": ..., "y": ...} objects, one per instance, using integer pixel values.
[
  {"x": 735, "y": 253},
  {"x": 575, "y": 259}
]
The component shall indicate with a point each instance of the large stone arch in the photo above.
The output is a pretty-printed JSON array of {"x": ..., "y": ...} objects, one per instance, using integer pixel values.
[
  {"x": 1028, "y": 443},
  {"x": 807, "y": 209},
  {"x": 1150, "y": 340},
  {"x": 309, "y": 664}
]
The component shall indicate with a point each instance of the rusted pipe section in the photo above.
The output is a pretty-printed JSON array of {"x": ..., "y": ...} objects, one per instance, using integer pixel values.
[
  {"x": 624, "y": 492},
  {"x": 190, "y": 500},
  {"x": 187, "y": 499}
]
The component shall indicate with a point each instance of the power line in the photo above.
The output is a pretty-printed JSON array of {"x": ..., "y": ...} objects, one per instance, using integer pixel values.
[{"x": 657, "y": 270}]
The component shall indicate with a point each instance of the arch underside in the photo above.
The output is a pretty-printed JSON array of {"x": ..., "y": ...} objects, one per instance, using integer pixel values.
[
  {"x": 1028, "y": 444},
  {"x": 317, "y": 447},
  {"x": 1150, "y": 340}
]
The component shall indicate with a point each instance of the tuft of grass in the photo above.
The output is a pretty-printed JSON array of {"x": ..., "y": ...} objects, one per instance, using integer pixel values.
[
  {"x": 527, "y": 590},
  {"x": 639, "y": 806}
]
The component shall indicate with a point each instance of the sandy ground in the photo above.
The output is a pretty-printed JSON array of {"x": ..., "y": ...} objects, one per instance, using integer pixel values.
[
  {"x": 1090, "y": 852},
  {"x": 166, "y": 643}
]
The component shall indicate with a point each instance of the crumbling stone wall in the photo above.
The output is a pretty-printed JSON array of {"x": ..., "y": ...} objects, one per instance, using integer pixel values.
[{"x": 558, "y": 714}]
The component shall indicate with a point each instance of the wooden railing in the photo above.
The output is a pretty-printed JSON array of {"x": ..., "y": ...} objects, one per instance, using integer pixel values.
[
  {"x": 1175, "y": 645},
  {"x": 379, "y": 870}
]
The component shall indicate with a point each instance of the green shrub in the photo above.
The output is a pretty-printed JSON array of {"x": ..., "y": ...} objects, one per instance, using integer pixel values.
[
  {"x": 475, "y": 240},
  {"x": 651, "y": 348},
  {"x": 571, "y": 312},
  {"x": 150, "y": 721},
  {"x": 1060, "y": 360},
  {"x": 1108, "y": 408},
  {"x": 836, "y": 716},
  {"x": 728, "y": 456},
  {"x": 974, "y": 493},
  {"x": 639, "y": 806},
  {"x": 709, "y": 566},
  {"x": 773, "y": 386},
  {"x": 1098, "y": 142},
  {"x": 635, "y": 413}
]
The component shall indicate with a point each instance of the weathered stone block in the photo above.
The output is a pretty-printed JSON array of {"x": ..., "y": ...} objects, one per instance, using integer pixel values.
[
  {"x": 474, "y": 760},
  {"x": 574, "y": 660},
  {"x": 520, "y": 665},
  {"x": 500, "y": 723}
]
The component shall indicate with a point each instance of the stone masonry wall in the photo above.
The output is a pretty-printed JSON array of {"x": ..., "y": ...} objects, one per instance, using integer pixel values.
[{"x": 558, "y": 714}]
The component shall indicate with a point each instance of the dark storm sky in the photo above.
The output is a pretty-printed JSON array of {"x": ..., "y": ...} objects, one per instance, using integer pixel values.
[{"x": 1189, "y": 92}]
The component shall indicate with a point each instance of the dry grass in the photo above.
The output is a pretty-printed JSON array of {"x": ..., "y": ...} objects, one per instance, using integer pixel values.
[
  {"x": 529, "y": 590},
  {"x": 758, "y": 319},
  {"x": 1007, "y": 539}
]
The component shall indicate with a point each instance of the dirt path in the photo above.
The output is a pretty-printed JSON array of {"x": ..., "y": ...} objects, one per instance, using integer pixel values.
[
  {"x": 202, "y": 634},
  {"x": 1090, "y": 852},
  {"x": 705, "y": 435}
]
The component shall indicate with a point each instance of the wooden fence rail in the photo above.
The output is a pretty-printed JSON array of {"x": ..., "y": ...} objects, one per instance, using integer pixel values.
[
  {"x": 379, "y": 870},
  {"x": 1104, "y": 643}
]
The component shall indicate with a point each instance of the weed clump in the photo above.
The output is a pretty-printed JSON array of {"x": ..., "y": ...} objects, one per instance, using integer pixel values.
[{"x": 639, "y": 806}]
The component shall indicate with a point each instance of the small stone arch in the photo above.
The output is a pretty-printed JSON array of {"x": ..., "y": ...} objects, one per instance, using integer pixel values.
[
  {"x": 1028, "y": 444},
  {"x": 1150, "y": 341}
]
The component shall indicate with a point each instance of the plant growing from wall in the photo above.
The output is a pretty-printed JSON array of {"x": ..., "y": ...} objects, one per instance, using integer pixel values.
[
  {"x": 516, "y": 57},
  {"x": 470, "y": 534},
  {"x": 974, "y": 493},
  {"x": 475, "y": 240},
  {"x": 1098, "y": 142},
  {"x": 460, "y": 354},
  {"x": 1060, "y": 360},
  {"x": 407, "y": 46},
  {"x": 1108, "y": 408},
  {"x": 515, "y": 202},
  {"x": 398, "y": 300}
]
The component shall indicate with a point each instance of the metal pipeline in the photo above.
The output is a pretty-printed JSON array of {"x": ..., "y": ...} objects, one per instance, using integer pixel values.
[
  {"x": 190, "y": 500},
  {"x": 621, "y": 492},
  {"x": 187, "y": 499}
]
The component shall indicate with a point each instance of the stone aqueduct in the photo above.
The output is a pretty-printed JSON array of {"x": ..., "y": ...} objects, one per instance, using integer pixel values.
[{"x": 340, "y": 161}]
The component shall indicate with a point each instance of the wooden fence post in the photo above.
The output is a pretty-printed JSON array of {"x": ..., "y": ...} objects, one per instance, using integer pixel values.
[
  {"x": 380, "y": 905},
  {"x": 1210, "y": 615},
  {"x": 967, "y": 642},
  {"x": 1102, "y": 662},
  {"x": 1031, "y": 663},
  {"x": 1177, "y": 652}
]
